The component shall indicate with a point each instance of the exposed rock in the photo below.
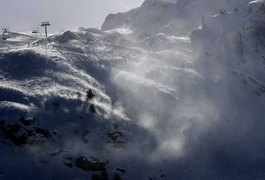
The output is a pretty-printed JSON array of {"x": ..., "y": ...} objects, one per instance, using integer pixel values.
[
  {"x": 84, "y": 137},
  {"x": 16, "y": 134},
  {"x": 115, "y": 139},
  {"x": 68, "y": 162},
  {"x": 90, "y": 94},
  {"x": 26, "y": 121},
  {"x": 92, "y": 108},
  {"x": 43, "y": 132},
  {"x": 121, "y": 170},
  {"x": 2, "y": 122},
  {"x": 21, "y": 133},
  {"x": 89, "y": 164},
  {"x": 56, "y": 153}
]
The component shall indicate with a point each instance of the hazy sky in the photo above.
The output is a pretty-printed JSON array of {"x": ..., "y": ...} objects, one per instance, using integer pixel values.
[{"x": 67, "y": 14}]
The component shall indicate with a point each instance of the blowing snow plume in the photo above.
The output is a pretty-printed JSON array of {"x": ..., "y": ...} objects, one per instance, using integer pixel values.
[
  {"x": 156, "y": 88},
  {"x": 201, "y": 104},
  {"x": 127, "y": 104}
]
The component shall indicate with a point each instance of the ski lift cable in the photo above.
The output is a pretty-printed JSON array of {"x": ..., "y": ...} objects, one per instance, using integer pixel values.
[
  {"x": 29, "y": 28},
  {"x": 35, "y": 27},
  {"x": 58, "y": 27}
]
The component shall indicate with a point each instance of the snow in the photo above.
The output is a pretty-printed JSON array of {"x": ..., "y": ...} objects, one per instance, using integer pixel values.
[
  {"x": 257, "y": 1},
  {"x": 14, "y": 105},
  {"x": 156, "y": 97}
]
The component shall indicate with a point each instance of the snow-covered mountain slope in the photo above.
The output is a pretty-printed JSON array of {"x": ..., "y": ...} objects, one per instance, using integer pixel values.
[
  {"x": 92, "y": 104},
  {"x": 71, "y": 90},
  {"x": 241, "y": 44},
  {"x": 171, "y": 17},
  {"x": 48, "y": 98}
]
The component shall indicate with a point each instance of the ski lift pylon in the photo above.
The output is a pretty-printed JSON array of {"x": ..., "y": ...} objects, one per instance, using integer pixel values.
[
  {"x": 45, "y": 24},
  {"x": 5, "y": 35}
]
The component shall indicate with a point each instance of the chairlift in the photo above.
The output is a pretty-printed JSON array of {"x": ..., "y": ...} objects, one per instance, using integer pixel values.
[
  {"x": 4, "y": 37},
  {"x": 222, "y": 11},
  {"x": 7, "y": 35},
  {"x": 35, "y": 31}
]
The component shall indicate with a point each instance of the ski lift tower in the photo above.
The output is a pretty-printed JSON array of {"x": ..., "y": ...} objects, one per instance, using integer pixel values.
[
  {"x": 45, "y": 24},
  {"x": 5, "y": 33},
  {"x": 5, "y": 30}
]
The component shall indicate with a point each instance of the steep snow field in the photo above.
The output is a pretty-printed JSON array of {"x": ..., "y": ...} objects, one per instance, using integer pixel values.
[
  {"x": 46, "y": 82},
  {"x": 178, "y": 102}
]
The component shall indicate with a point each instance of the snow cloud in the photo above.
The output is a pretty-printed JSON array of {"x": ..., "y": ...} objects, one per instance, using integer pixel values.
[{"x": 157, "y": 92}]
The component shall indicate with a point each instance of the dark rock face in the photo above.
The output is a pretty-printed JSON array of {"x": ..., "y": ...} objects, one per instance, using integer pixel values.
[
  {"x": 26, "y": 121},
  {"x": 2, "y": 122},
  {"x": 90, "y": 94},
  {"x": 16, "y": 134},
  {"x": 43, "y": 132},
  {"x": 121, "y": 170},
  {"x": 89, "y": 164},
  {"x": 92, "y": 108},
  {"x": 19, "y": 133},
  {"x": 115, "y": 139},
  {"x": 68, "y": 162}
]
